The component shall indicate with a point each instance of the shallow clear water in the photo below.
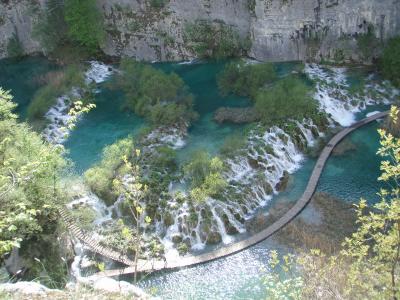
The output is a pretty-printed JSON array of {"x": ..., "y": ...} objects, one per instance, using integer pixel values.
[
  {"x": 349, "y": 177},
  {"x": 103, "y": 126},
  {"x": 21, "y": 77}
]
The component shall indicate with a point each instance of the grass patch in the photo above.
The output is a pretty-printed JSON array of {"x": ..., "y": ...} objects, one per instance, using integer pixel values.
[{"x": 58, "y": 85}]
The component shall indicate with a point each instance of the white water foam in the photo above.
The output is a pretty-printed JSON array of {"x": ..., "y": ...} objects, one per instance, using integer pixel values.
[
  {"x": 332, "y": 93},
  {"x": 56, "y": 131}
]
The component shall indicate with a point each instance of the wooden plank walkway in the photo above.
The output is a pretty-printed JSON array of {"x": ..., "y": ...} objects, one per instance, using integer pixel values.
[
  {"x": 156, "y": 265},
  {"x": 90, "y": 242}
]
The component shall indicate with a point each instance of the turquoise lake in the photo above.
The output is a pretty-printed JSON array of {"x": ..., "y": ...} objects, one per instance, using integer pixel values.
[{"x": 349, "y": 177}]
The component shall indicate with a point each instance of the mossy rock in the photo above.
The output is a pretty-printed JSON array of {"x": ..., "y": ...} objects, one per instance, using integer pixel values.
[
  {"x": 213, "y": 238},
  {"x": 283, "y": 183},
  {"x": 177, "y": 239},
  {"x": 253, "y": 163},
  {"x": 168, "y": 219},
  {"x": 256, "y": 224},
  {"x": 230, "y": 229},
  {"x": 343, "y": 148}
]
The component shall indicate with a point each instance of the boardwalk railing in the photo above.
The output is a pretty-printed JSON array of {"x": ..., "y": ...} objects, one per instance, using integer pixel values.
[{"x": 150, "y": 266}]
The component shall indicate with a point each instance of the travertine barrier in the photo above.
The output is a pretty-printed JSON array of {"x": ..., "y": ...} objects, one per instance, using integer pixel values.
[{"x": 156, "y": 265}]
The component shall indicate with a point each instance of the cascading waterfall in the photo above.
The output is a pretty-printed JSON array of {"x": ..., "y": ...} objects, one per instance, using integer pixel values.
[
  {"x": 56, "y": 131},
  {"x": 332, "y": 93},
  {"x": 254, "y": 177}
]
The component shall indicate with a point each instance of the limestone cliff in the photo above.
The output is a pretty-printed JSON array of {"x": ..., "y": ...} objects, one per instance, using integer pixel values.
[{"x": 280, "y": 30}]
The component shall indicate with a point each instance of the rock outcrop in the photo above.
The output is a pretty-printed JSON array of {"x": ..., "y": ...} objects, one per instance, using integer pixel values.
[
  {"x": 236, "y": 115},
  {"x": 280, "y": 30}
]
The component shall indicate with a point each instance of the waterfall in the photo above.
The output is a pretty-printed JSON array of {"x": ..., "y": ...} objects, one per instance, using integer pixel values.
[
  {"x": 56, "y": 131},
  {"x": 332, "y": 93}
]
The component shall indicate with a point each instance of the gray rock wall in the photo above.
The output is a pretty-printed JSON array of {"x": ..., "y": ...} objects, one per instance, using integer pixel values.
[
  {"x": 280, "y": 30},
  {"x": 16, "y": 19}
]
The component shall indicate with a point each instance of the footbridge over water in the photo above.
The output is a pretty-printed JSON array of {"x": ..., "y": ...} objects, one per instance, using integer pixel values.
[{"x": 157, "y": 265}]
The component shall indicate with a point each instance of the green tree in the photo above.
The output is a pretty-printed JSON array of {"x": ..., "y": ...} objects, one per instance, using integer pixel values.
[
  {"x": 29, "y": 190},
  {"x": 100, "y": 177},
  {"x": 85, "y": 24},
  {"x": 133, "y": 192},
  {"x": 289, "y": 98},
  {"x": 205, "y": 175},
  {"x": 245, "y": 79},
  {"x": 62, "y": 83},
  {"x": 162, "y": 98},
  {"x": 390, "y": 61}
]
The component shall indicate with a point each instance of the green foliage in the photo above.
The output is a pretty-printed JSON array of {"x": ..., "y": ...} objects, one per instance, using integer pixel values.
[
  {"x": 338, "y": 55},
  {"x": 214, "y": 40},
  {"x": 100, "y": 177},
  {"x": 14, "y": 47},
  {"x": 251, "y": 5},
  {"x": 245, "y": 79},
  {"x": 166, "y": 158},
  {"x": 288, "y": 98},
  {"x": 29, "y": 192},
  {"x": 85, "y": 24},
  {"x": 133, "y": 193},
  {"x": 162, "y": 98},
  {"x": 368, "y": 43},
  {"x": 60, "y": 84},
  {"x": 368, "y": 265},
  {"x": 232, "y": 144},
  {"x": 51, "y": 28},
  {"x": 390, "y": 61},
  {"x": 158, "y": 4},
  {"x": 205, "y": 175}
]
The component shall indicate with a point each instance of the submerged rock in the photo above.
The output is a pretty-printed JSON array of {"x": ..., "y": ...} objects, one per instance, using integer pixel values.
[
  {"x": 256, "y": 224},
  {"x": 214, "y": 238},
  {"x": 236, "y": 115},
  {"x": 344, "y": 147},
  {"x": 283, "y": 183}
]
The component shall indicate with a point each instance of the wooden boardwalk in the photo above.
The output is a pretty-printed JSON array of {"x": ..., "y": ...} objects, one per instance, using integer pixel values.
[
  {"x": 90, "y": 242},
  {"x": 156, "y": 265}
]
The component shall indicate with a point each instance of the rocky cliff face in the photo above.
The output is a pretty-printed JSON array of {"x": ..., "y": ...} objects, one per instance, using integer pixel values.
[{"x": 280, "y": 30}]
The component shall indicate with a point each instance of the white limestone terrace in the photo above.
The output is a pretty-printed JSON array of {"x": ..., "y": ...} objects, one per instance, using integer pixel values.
[{"x": 56, "y": 131}]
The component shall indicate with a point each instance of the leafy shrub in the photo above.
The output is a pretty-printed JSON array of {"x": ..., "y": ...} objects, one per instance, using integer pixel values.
[
  {"x": 390, "y": 61},
  {"x": 205, "y": 175},
  {"x": 245, "y": 79},
  {"x": 288, "y": 98},
  {"x": 162, "y": 98},
  {"x": 85, "y": 24},
  {"x": 29, "y": 188},
  {"x": 166, "y": 158},
  {"x": 100, "y": 177},
  {"x": 158, "y": 3},
  {"x": 14, "y": 47},
  {"x": 214, "y": 40},
  {"x": 61, "y": 84}
]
